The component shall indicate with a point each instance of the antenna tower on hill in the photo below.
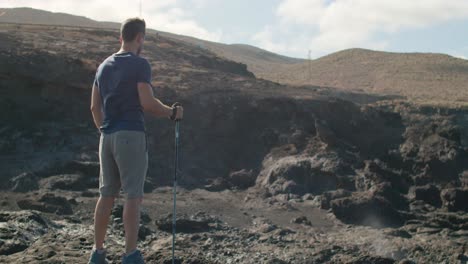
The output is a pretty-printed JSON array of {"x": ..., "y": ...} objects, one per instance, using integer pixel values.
[{"x": 309, "y": 64}]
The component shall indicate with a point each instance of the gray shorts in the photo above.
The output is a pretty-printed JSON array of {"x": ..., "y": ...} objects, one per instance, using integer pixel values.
[{"x": 124, "y": 163}]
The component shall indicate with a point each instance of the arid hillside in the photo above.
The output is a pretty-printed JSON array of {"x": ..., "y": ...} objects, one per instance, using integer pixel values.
[{"x": 422, "y": 77}]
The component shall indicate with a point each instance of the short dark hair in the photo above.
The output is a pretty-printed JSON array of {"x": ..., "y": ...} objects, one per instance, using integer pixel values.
[{"x": 131, "y": 27}]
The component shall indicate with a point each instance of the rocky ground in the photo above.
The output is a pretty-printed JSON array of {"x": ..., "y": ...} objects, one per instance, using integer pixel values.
[{"x": 269, "y": 173}]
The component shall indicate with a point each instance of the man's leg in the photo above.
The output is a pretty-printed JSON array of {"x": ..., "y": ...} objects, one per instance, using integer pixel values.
[
  {"x": 131, "y": 219},
  {"x": 101, "y": 219},
  {"x": 109, "y": 186},
  {"x": 132, "y": 160}
]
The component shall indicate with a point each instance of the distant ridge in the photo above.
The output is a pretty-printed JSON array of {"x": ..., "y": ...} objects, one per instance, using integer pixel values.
[
  {"x": 425, "y": 77},
  {"x": 27, "y": 15}
]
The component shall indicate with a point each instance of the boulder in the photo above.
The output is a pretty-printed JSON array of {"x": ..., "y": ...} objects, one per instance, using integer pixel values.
[
  {"x": 464, "y": 179},
  {"x": 329, "y": 196},
  {"x": 365, "y": 209},
  {"x": 19, "y": 229},
  {"x": 217, "y": 185},
  {"x": 371, "y": 259},
  {"x": 376, "y": 172},
  {"x": 430, "y": 194},
  {"x": 48, "y": 203},
  {"x": 199, "y": 222},
  {"x": 301, "y": 220},
  {"x": 242, "y": 179},
  {"x": 455, "y": 199},
  {"x": 390, "y": 194},
  {"x": 69, "y": 182},
  {"x": 296, "y": 175},
  {"x": 117, "y": 213},
  {"x": 25, "y": 182}
]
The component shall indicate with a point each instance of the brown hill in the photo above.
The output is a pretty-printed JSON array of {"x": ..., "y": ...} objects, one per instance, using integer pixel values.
[
  {"x": 423, "y": 77},
  {"x": 26, "y": 15}
]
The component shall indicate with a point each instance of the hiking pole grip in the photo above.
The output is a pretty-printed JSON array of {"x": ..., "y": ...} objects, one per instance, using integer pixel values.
[{"x": 174, "y": 111}]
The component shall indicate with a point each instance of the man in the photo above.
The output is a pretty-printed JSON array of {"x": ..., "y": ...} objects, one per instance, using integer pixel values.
[{"x": 121, "y": 92}]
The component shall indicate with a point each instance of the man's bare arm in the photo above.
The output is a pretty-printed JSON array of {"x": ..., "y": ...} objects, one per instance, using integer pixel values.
[
  {"x": 151, "y": 104},
  {"x": 96, "y": 106}
]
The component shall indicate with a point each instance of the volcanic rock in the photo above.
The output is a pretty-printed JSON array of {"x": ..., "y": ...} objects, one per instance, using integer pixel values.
[
  {"x": 391, "y": 194},
  {"x": 296, "y": 175},
  {"x": 242, "y": 179},
  {"x": 48, "y": 203},
  {"x": 429, "y": 194},
  {"x": 24, "y": 182},
  {"x": 199, "y": 222},
  {"x": 19, "y": 229},
  {"x": 376, "y": 171},
  {"x": 371, "y": 259},
  {"x": 329, "y": 196},
  {"x": 455, "y": 199},
  {"x": 365, "y": 209},
  {"x": 71, "y": 182},
  {"x": 301, "y": 220}
]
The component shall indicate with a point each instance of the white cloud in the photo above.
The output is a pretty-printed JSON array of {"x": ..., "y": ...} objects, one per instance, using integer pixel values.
[
  {"x": 165, "y": 15},
  {"x": 341, "y": 24},
  {"x": 306, "y": 12}
]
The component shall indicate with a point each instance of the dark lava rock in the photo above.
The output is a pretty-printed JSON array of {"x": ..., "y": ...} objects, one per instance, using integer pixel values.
[
  {"x": 87, "y": 168},
  {"x": 144, "y": 216},
  {"x": 117, "y": 213},
  {"x": 434, "y": 146},
  {"x": 24, "y": 182},
  {"x": 399, "y": 233},
  {"x": 13, "y": 247},
  {"x": 199, "y": 222},
  {"x": 19, "y": 229},
  {"x": 455, "y": 199},
  {"x": 48, "y": 203},
  {"x": 143, "y": 232},
  {"x": 89, "y": 194},
  {"x": 327, "y": 197},
  {"x": 376, "y": 172},
  {"x": 296, "y": 175},
  {"x": 276, "y": 261},
  {"x": 70, "y": 182},
  {"x": 464, "y": 179},
  {"x": 242, "y": 179},
  {"x": 150, "y": 185},
  {"x": 406, "y": 261},
  {"x": 301, "y": 220},
  {"x": 391, "y": 194},
  {"x": 429, "y": 194},
  {"x": 371, "y": 260},
  {"x": 365, "y": 209},
  {"x": 218, "y": 184},
  {"x": 324, "y": 255}
]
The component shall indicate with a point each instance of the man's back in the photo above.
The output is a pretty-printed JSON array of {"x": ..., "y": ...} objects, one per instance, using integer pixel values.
[{"x": 117, "y": 79}]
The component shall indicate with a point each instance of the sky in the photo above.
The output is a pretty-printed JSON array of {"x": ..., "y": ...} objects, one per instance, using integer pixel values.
[{"x": 295, "y": 28}]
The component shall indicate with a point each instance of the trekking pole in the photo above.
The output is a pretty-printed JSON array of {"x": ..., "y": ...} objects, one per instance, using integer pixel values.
[{"x": 175, "y": 186}]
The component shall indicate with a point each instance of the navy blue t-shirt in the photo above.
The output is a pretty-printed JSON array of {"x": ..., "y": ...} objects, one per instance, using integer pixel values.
[{"x": 117, "y": 78}]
